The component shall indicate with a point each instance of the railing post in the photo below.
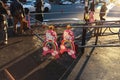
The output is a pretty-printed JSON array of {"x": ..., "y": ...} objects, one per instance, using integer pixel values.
[{"x": 84, "y": 29}]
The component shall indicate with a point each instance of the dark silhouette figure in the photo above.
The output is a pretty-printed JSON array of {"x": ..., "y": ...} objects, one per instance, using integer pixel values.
[
  {"x": 39, "y": 6},
  {"x": 17, "y": 12},
  {"x": 92, "y": 6},
  {"x": 3, "y": 24},
  {"x": 86, "y": 15},
  {"x": 103, "y": 11}
]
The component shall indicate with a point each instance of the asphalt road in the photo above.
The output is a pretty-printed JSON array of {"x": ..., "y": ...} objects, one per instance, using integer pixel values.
[{"x": 65, "y": 11}]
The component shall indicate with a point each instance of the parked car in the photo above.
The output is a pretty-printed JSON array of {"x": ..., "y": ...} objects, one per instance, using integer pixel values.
[
  {"x": 31, "y": 6},
  {"x": 64, "y": 2}
]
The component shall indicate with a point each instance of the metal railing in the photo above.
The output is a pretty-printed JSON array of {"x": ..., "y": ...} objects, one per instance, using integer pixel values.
[{"x": 77, "y": 24}]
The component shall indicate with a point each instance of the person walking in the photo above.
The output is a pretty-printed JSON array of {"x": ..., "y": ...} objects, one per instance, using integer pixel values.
[
  {"x": 39, "y": 10},
  {"x": 103, "y": 11},
  {"x": 27, "y": 17},
  {"x": 17, "y": 12},
  {"x": 3, "y": 24},
  {"x": 86, "y": 16},
  {"x": 92, "y": 6},
  {"x": 91, "y": 12}
]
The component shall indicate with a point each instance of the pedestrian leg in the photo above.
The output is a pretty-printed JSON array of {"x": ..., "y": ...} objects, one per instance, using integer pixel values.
[
  {"x": 15, "y": 25},
  {"x": 21, "y": 27}
]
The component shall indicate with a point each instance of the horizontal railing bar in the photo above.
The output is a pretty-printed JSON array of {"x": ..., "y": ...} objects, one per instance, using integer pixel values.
[
  {"x": 109, "y": 45},
  {"x": 77, "y": 19},
  {"x": 64, "y": 12},
  {"x": 88, "y": 26}
]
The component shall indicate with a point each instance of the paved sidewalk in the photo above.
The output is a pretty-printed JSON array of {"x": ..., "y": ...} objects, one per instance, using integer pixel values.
[
  {"x": 18, "y": 46},
  {"x": 103, "y": 64},
  {"x": 100, "y": 63}
]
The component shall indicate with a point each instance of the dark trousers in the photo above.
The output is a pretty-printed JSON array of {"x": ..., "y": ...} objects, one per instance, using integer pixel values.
[
  {"x": 3, "y": 33},
  {"x": 2, "y": 36},
  {"x": 102, "y": 18},
  {"x": 16, "y": 20}
]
